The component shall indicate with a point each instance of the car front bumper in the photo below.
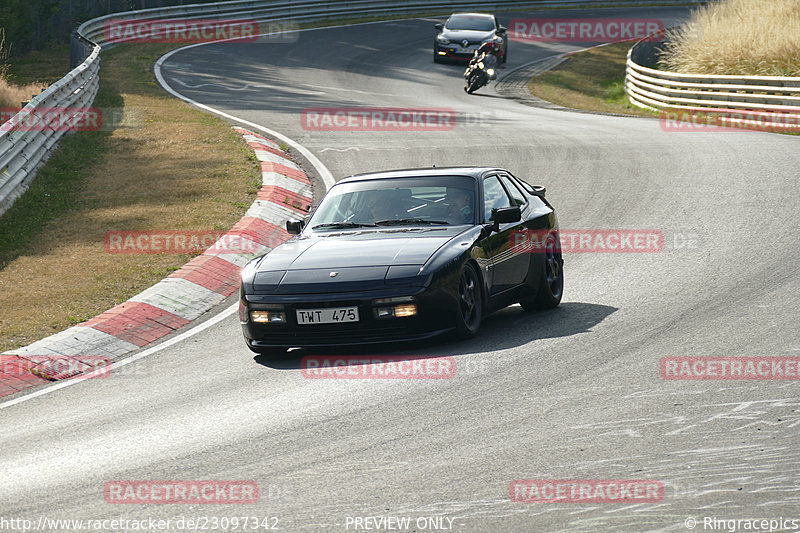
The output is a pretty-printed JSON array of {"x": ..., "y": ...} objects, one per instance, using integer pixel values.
[
  {"x": 436, "y": 314},
  {"x": 451, "y": 51}
]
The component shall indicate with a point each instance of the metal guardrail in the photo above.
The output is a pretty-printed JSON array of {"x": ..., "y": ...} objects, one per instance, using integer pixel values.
[
  {"x": 22, "y": 152},
  {"x": 26, "y": 141},
  {"x": 769, "y": 102}
]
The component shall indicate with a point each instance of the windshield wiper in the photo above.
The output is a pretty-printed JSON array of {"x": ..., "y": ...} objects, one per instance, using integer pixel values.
[
  {"x": 401, "y": 221},
  {"x": 342, "y": 225}
]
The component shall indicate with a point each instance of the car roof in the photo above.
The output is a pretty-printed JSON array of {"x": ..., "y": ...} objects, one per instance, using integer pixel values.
[
  {"x": 475, "y": 14},
  {"x": 474, "y": 172}
]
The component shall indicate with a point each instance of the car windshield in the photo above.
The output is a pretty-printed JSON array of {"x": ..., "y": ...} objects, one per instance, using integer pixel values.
[
  {"x": 391, "y": 202},
  {"x": 470, "y": 22}
]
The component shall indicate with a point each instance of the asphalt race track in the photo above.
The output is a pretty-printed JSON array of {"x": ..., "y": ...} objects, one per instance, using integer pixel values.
[{"x": 570, "y": 394}]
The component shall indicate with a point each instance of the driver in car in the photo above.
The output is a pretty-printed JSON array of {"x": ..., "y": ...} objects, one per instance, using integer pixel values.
[
  {"x": 378, "y": 206},
  {"x": 460, "y": 210}
]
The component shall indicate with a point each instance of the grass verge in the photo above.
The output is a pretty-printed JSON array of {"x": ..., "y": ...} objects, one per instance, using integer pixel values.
[
  {"x": 12, "y": 95},
  {"x": 21, "y": 80},
  {"x": 40, "y": 67},
  {"x": 593, "y": 80},
  {"x": 170, "y": 167},
  {"x": 737, "y": 37}
]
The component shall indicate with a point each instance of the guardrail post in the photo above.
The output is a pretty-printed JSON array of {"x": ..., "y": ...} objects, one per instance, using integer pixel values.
[{"x": 79, "y": 49}]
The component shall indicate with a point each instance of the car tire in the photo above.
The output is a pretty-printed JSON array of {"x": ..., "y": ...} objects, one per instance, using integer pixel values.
[
  {"x": 470, "y": 302},
  {"x": 551, "y": 283}
]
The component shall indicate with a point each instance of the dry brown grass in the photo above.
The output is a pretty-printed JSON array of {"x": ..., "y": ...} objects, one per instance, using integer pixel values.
[
  {"x": 738, "y": 37},
  {"x": 176, "y": 168},
  {"x": 12, "y": 95}
]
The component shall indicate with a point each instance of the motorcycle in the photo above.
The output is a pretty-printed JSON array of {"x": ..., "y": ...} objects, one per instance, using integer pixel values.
[{"x": 479, "y": 72}]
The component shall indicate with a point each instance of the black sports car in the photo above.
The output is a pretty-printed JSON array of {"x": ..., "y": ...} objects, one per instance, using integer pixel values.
[
  {"x": 463, "y": 33},
  {"x": 401, "y": 255}
]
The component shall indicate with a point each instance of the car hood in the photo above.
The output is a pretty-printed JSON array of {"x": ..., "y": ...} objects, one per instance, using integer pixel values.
[
  {"x": 470, "y": 35},
  {"x": 349, "y": 261}
]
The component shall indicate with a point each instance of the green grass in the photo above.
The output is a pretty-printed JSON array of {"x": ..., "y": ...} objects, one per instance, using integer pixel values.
[{"x": 593, "y": 80}]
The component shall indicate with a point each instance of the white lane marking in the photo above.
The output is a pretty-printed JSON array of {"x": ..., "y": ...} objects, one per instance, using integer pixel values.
[
  {"x": 295, "y": 90},
  {"x": 141, "y": 355},
  {"x": 353, "y": 148},
  {"x": 267, "y": 86},
  {"x": 324, "y": 173},
  {"x": 188, "y": 86}
]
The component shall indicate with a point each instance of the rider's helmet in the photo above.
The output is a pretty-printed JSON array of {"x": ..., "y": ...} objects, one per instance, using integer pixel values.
[{"x": 497, "y": 44}]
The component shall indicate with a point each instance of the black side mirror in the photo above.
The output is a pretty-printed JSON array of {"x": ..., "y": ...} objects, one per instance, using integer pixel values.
[
  {"x": 505, "y": 215},
  {"x": 294, "y": 226},
  {"x": 439, "y": 26},
  {"x": 502, "y": 30}
]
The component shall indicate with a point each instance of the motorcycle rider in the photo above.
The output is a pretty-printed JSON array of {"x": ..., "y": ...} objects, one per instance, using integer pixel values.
[{"x": 491, "y": 53}]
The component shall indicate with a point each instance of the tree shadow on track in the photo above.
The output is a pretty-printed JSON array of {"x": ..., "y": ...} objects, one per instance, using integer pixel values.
[{"x": 506, "y": 329}]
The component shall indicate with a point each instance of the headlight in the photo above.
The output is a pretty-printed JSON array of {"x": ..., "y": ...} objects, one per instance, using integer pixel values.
[
  {"x": 395, "y": 307},
  {"x": 396, "y": 311},
  {"x": 490, "y": 72},
  {"x": 268, "y": 316},
  {"x": 442, "y": 39}
]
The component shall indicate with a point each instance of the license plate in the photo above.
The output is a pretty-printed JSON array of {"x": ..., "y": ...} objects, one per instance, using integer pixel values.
[
  {"x": 463, "y": 50},
  {"x": 331, "y": 315}
]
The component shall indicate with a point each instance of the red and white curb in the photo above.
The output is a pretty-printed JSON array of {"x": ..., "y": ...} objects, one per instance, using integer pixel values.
[{"x": 186, "y": 294}]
